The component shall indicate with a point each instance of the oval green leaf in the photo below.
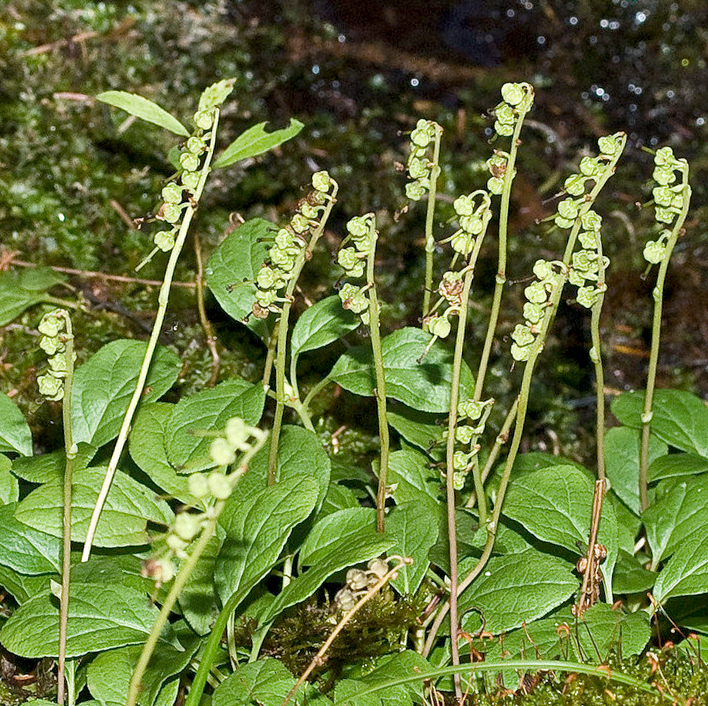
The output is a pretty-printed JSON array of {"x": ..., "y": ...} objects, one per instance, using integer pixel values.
[
  {"x": 15, "y": 434},
  {"x": 255, "y": 141},
  {"x": 144, "y": 109},
  {"x": 322, "y": 324}
]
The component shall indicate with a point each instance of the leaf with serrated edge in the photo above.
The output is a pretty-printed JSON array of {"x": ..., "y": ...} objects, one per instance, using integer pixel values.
[
  {"x": 322, "y": 324},
  {"x": 678, "y": 418},
  {"x": 255, "y": 141},
  {"x": 232, "y": 269},
  {"x": 129, "y": 507},
  {"x": 256, "y": 533},
  {"x": 9, "y": 487},
  {"x": 686, "y": 573},
  {"x": 101, "y": 617},
  {"x": 412, "y": 478},
  {"x": 518, "y": 588},
  {"x": 209, "y": 410},
  {"x": 26, "y": 549},
  {"x": 15, "y": 435},
  {"x": 104, "y": 385},
  {"x": 424, "y": 386},
  {"x": 144, "y": 109},
  {"x": 255, "y": 683}
]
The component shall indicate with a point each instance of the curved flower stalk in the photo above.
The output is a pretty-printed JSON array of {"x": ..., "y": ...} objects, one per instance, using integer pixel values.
[
  {"x": 235, "y": 448},
  {"x": 424, "y": 169},
  {"x": 672, "y": 197},
  {"x": 57, "y": 340},
  {"x": 180, "y": 204},
  {"x": 275, "y": 284},
  {"x": 357, "y": 260}
]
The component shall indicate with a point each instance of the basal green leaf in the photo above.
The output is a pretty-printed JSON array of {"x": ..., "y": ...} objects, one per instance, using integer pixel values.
[
  {"x": 518, "y": 588},
  {"x": 686, "y": 573},
  {"x": 23, "y": 587},
  {"x": 342, "y": 553},
  {"x": 256, "y": 141},
  {"x": 680, "y": 418},
  {"x": 144, "y": 109},
  {"x": 9, "y": 487},
  {"x": 101, "y": 617},
  {"x": 423, "y": 386},
  {"x": 147, "y": 448},
  {"x": 422, "y": 430},
  {"x": 129, "y": 507},
  {"x": 19, "y": 291},
  {"x": 338, "y": 497},
  {"x": 256, "y": 532},
  {"x": 321, "y": 324},
  {"x": 51, "y": 466},
  {"x": 104, "y": 385},
  {"x": 679, "y": 515},
  {"x": 265, "y": 682},
  {"x": 677, "y": 465},
  {"x": 232, "y": 269},
  {"x": 622, "y": 462},
  {"x": 207, "y": 411},
  {"x": 412, "y": 478},
  {"x": 26, "y": 549},
  {"x": 555, "y": 505},
  {"x": 15, "y": 435},
  {"x": 415, "y": 528},
  {"x": 630, "y": 576}
]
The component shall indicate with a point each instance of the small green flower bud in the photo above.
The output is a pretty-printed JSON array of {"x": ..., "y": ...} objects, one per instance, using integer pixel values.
[
  {"x": 378, "y": 567},
  {"x": 587, "y": 296},
  {"x": 664, "y": 176},
  {"x": 219, "y": 485},
  {"x": 588, "y": 239},
  {"x": 196, "y": 145},
  {"x": 171, "y": 212},
  {"x": 505, "y": 114},
  {"x": 438, "y": 325},
  {"x": 237, "y": 433},
  {"x": 198, "y": 485},
  {"x": 51, "y": 325},
  {"x": 664, "y": 215},
  {"x": 299, "y": 223},
  {"x": 522, "y": 335},
  {"x": 265, "y": 297},
  {"x": 533, "y": 313},
  {"x": 463, "y": 205},
  {"x": 664, "y": 157},
  {"x": 472, "y": 224},
  {"x": 165, "y": 240},
  {"x": 172, "y": 193},
  {"x": 536, "y": 293},
  {"x": 417, "y": 168},
  {"x": 590, "y": 167},
  {"x": 654, "y": 252},
  {"x": 204, "y": 119},
  {"x": 356, "y": 579},
  {"x": 464, "y": 434},
  {"x": 543, "y": 270},
  {"x": 187, "y": 526},
  {"x": 189, "y": 162},
  {"x": 563, "y": 222},
  {"x": 358, "y": 226},
  {"x": 591, "y": 220},
  {"x": 51, "y": 345},
  {"x": 495, "y": 185},
  {"x": 568, "y": 208},
  {"x": 421, "y": 137},
  {"x": 348, "y": 259},
  {"x": 503, "y": 130},
  {"x": 50, "y": 387},
  {"x": 415, "y": 190},
  {"x": 575, "y": 184},
  {"x": 608, "y": 145},
  {"x": 520, "y": 354},
  {"x": 190, "y": 180},
  {"x": 460, "y": 460},
  {"x": 176, "y": 544},
  {"x": 221, "y": 452},
  {"x": 309, "y": 211},
  {"x": 513, "y": 93},
  {"x": 321, "y": 181},
  {"x": 266, "y": 277},
  {"x": 353, "y": 298},
  {"x": 58, "y": 364}
]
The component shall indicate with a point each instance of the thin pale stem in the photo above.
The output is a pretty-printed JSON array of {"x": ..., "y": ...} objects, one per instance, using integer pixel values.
[
  {"x": 206, "y": 324},
  {"x": 658, "y": 295},
  {"x": 380, "y": 391},
  {"x": 163, "y": 300},
  {"x": 596, "y": 357},
  {"x": 429, "y": 221},
  {"x": 71, "y": 451},
  {"x": 282, "y": 340}
]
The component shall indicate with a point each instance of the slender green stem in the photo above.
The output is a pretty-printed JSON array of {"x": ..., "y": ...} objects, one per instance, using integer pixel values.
[
  {"x": 163, "y": 616},
  {"x": 380, "y": 392},
  {"x": 270, "y": 357},
  {"x": 179, "y": 582},
  {"x": 316, "y": 389},
  {"x": 523, "y": 399},
  {"x": 500, "y": 279},
  {"x": 658, "y": 295},
  {"x": 596, "y": 357},
  {"x": 71, "y": 451},
  {"x": 429, "y": 221},
  {"x": 163, "y": 300},
  {"x": 282, "y": 341}
]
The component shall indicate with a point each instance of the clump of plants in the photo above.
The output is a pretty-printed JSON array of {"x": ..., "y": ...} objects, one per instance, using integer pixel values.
[{"x": 183, "y": 551}]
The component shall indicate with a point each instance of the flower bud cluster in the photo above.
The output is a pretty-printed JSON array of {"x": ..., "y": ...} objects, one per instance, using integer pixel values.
[
  {"x": 288, "y": 244},
  {"x": 475, "y": 415},
  {"x": 52, "y": 341},
  {"x": 591, "y": 170},
  {"x": 178, "y": 194},
  {"x": 669, "y": 198},
  {"x": 517, "y": 98},
  {"x": 238, "y": 438},
  {"x": 419, "y": 160},
  {"x": 585, "y": 266},
  {"x": 538, "y": 295},
  {"x": 473, "y": 214},
  {"x": 353, "y": 259},
  {"x": 358, "y": 582}
]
